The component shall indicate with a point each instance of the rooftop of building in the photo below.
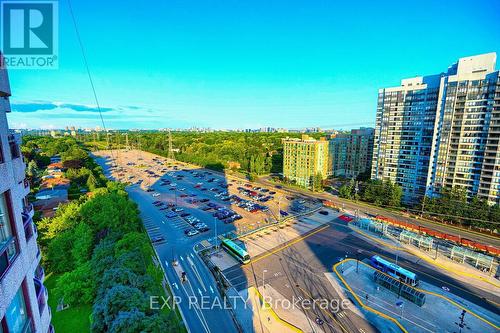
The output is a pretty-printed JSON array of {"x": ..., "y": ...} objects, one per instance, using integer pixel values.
[
  {"x": 304, "y": 139},
  {"x": 472, "y": 67}
]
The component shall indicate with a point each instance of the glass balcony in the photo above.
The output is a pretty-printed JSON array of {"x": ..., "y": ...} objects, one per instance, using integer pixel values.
[
  {"x": 14, "y": 147},
  {"x": 28, "y": 326},
  {"x": 40, "y": 273},
  {"x": 41, "y": 295},
  {"x": 8, "y": 254},
  {"x": 28, "y": 209},
  {"x": 29, "y": 227}
]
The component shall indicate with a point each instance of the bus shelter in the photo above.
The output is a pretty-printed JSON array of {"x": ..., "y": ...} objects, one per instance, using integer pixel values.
[
  {"x": 479, "y": 260},
  {"x": 371, "y": 225},
  {"x": 397, "y": 287},
  {"x": 423, "y": 242}
]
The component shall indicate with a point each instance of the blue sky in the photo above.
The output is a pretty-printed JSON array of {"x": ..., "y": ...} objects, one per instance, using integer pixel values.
[{"x": 245, "y": 64}]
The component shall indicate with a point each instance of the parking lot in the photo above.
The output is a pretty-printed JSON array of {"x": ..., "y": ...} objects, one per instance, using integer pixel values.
[{"x": 196, "y": 201}]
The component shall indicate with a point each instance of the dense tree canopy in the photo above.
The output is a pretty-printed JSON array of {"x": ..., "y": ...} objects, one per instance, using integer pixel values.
[
  {"x": 258, "y": 153},
  {"x": 98, "y": 246}
]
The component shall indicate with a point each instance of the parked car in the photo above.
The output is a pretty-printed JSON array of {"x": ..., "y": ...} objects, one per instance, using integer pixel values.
[
  {"x": 323, "y": 212},
  {"x": 157, "y": 239},
  {"x": 191, "y": 232}
]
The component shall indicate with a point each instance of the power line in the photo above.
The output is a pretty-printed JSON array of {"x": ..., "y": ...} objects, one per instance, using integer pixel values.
[{"x": 87, "y": 68}]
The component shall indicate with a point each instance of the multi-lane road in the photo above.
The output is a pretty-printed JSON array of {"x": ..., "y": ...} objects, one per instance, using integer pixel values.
[
  {"x": 294, "y": 270},
  {"x": 299, "y": 270},
  {"x": 372, "y": 210}
]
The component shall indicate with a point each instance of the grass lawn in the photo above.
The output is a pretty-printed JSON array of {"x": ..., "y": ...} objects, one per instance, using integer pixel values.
[{"x": 74, "y": 319}]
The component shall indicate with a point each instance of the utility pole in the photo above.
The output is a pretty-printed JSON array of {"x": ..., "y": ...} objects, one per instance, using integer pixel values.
[
  {"x": 107, "y": 141},
  {"x": 462, "y": 323},
  {"x": 400, "y": 287},
  {"x": 215, "y": 229},
  {"x": 170, "y": 149},
  {"x": 423, "y": 205}
]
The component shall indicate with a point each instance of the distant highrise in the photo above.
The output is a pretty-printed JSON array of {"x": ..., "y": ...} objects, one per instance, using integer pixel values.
[
  {"x": 304, "y": 159},
  {"x": 441, "y": 131},
  {"x": 351, "y": 153},
  {"x": 23, "y": 297}
]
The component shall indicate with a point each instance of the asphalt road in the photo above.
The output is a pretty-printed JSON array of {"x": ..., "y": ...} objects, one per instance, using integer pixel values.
[
  {"x": 366, "y": 208},
  {"x": 296, "y": 271},
  {"x": 299, "y": 269}
]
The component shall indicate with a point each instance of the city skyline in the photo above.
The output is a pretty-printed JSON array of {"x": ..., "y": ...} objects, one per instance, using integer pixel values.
[{"x": 238, "y": 67}]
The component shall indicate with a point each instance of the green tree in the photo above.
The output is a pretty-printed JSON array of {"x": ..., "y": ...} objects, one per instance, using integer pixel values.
[
  {"x": 78, "y": 286},
  {"x": 83, "y": 244},
  {"x": 32, "y": 169},
  {"x": 346, "y": 191}
]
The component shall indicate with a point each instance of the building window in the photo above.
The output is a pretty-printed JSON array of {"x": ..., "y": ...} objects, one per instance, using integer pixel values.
[
  {"x": 14, "y": 148},
  {"x": 8, "y": 243},
  {"x": 1, "y": 161},
  {"x": 16, "y": 318}
]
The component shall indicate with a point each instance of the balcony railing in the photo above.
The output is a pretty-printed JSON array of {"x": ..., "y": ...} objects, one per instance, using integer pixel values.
[
  {"x": 8, "y": 254},
  {"x": 28, "y": 226},
  {"x": 14, "y": 147},
  {"x": 41, "y": 295},
  {"x": 40, "y": 273},
  {"x": 28, "y": 209},
  {"x": 28, "y": 326}
]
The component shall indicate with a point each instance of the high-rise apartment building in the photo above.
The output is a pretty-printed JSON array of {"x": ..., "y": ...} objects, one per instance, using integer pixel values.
[
  {"x": 351, "y": 153},
  {"x": 304, "y": 159},
  {"x": 441, "y": 131},
  {"x": 466, "y": 149},
  {"x": 23, "y": 297}
]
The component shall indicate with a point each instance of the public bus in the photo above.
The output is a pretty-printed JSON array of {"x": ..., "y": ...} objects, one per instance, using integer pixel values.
[
  {"x": 236, "y": 251},
  {"x": 394, "y": 270}
]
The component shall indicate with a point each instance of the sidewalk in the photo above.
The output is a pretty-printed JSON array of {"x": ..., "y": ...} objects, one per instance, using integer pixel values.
[
  {"x": 439, "y": 313},
  {"x": 257, "y": 316},
  {"x": 478, "y": 278}
]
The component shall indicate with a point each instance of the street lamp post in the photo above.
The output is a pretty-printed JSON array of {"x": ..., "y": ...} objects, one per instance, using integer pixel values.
[
  {"x": 357, "y": 262},
  {"x": 263, "y": 284},
  {"x": 215, "y": 229}
]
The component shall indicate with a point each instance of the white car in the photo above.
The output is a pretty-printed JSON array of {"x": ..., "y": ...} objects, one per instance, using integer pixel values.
[
  {"x": 156, "y": 194},
  {"x": 182, "y": 189},
  {"x": 193, "y": 232}
]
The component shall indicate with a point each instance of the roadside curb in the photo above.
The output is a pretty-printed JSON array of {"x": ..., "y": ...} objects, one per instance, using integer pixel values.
[
  {"x": 265, "y": 305},
  {"x": 418, "y": 289},
  {"x": 428, "y": 260}
]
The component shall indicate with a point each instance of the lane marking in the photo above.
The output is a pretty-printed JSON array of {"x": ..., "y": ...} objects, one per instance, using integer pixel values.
[
  {"x": 198, "y": 276},
  {"x": 428, "y": 260},
  {"x": 418, "y": 289},
  {"x": 289, "y": 244}
]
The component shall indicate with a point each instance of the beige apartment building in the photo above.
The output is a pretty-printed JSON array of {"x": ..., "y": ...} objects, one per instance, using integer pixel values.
[
  {"x": 442, "y": 131},
  {"x": 350, "y": 154},
  {"x": 304, "y": 159},
  {"x": 466, "y": 149}
]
